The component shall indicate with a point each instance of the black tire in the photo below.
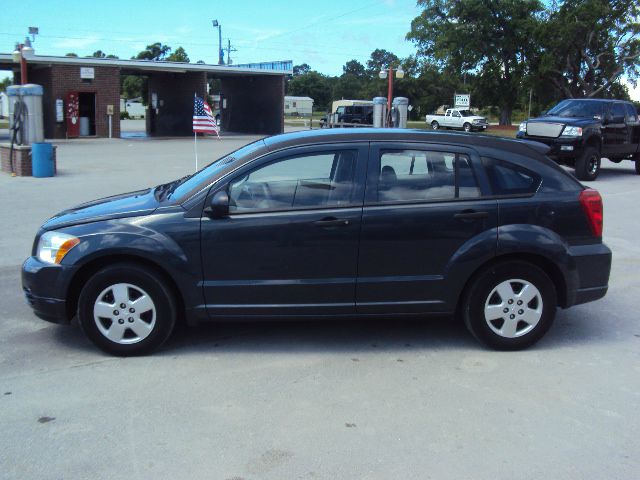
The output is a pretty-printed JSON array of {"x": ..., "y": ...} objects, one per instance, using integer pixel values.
[
  {"x": 466, "y": 127},
  {"x": 481, "y": 296},
  {"x": 636, "y": 160},
  {"x": 588, "y": 164},
  {"x": 140, "y": 332},
  {"x": 435, "y": 125}
]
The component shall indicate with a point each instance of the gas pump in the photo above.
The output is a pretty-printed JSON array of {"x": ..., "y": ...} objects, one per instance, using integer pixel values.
[{"x": 17, "y": 119}]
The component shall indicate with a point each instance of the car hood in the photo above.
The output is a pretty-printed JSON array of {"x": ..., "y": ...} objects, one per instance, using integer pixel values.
[
  {"x": 573, "y": 121},
  {"x": 133, "y": 204}
]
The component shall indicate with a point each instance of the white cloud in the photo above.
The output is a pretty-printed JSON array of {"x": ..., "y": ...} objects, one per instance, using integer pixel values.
[{"x": 77, "y": 43}]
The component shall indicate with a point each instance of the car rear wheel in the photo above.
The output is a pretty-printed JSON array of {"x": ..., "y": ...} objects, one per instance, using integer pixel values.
[
  {"x": 435, "y": 125},
  {"x": 588, "y": 165},
  {"x": 637, "y": 163},
  {"x": 126, "y": 309},
  {"x": 467, "y": 127},
  {"x": 510, "y": 305}
]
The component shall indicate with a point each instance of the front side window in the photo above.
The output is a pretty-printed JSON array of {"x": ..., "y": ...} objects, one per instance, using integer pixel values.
[
  {"x": 618, "y": 110},
  {"x": 632, "y": 115},
  {"x": 417, "y": 175},
  {"x": 317, "y": 180}
]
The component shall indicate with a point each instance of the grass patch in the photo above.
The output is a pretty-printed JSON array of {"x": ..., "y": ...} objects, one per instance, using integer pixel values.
[{"x": 4, "y": 123}]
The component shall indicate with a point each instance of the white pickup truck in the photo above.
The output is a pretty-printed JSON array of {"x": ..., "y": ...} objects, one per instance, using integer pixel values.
[{"x": 457, "y": 118}]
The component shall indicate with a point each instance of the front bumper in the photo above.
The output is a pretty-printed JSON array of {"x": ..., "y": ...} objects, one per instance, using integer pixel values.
[
  {"x": 592, "y": 267},
  {"x": 45, "y": 288},
  {"x": 561, "y": 147}
]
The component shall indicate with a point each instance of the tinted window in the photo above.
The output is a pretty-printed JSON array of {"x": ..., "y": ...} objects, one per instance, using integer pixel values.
[
  {"x": 577, "y": 108},
  {"x": 618, "y": 110},
  {"x": 309, "y": 181},
  {"x": 509, "y": 179},
  {"x": 416, "y": 175},
  {"x": 632, "y": 115},
  {"x": 201, "y": 178}
]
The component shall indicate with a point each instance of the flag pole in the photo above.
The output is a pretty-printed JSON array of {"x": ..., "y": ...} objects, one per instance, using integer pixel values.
[{"x": 195, "y": 137}]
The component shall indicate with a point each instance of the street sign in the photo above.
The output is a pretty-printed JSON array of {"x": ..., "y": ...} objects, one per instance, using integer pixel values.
[{"x": 461, "y": 100}]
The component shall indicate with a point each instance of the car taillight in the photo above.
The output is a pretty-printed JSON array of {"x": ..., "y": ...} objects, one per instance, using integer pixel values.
[{"x": 591, "y": 202}]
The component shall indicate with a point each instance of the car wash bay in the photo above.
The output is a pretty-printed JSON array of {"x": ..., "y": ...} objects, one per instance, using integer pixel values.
[{"x": 82, "y": 96}]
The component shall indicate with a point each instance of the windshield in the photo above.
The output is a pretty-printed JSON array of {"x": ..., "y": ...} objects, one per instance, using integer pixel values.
[
  {"x": 187, "y": 186},
  {"x": 466, "y": 113},
  {"x": 577, "y": 108}
]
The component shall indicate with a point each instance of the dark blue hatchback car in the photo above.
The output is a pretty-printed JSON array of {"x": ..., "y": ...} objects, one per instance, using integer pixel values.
[{"x": 336, "y": 223}]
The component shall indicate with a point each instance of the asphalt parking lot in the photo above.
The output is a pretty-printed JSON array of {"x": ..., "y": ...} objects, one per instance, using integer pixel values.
[{"x": 360, "y": 400}]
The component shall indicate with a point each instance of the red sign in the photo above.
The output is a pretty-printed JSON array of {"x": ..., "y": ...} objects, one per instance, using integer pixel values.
[{"x": 72, "y": 112}]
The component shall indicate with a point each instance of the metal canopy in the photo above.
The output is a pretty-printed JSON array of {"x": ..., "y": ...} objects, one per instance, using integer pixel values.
[{"x": 141, "y": 66}]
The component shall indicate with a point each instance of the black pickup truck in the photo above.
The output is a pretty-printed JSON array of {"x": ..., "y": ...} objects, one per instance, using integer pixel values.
[{"x": 582, "y": 131}]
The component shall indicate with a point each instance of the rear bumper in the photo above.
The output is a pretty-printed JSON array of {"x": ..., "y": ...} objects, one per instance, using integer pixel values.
[{"x": 592, "y": 268}]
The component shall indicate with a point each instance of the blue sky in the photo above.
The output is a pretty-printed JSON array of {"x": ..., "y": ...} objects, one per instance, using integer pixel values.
[{"x": 325, "y": 34}]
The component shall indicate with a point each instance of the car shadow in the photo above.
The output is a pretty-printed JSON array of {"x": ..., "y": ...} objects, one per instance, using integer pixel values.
[{"x": 572, "y": 328}]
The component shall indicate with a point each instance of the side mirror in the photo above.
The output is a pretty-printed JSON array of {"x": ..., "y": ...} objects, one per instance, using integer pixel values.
[{"x": 218, "y": 206}]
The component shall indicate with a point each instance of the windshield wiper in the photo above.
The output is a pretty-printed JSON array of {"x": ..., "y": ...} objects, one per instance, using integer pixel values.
[
  {"x": 175, "y": 184},
  {"x": 166, "y": 189}
]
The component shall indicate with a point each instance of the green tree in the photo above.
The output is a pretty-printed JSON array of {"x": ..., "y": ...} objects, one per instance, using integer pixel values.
[
  {"x": 101, "y": 54},
  {"x": 155, "y": 51},
  {"x": 380, "y": 59},
  {"x": 493, "y": 38},
  {"x": 354, "y": 68},
  {"x": 4, "y": 83},
  {"x": 314, "y": 85},
  {"x": 134, "y": 86},
  {"x": 589, "y": 45},
  {"x": 301, "y": 69},
  {"x": 179, "y": 55},
  {"x": 71, "y": 54}
]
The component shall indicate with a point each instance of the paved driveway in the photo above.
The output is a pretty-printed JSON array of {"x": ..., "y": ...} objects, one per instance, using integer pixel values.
[{"x": 360, "y": 400}]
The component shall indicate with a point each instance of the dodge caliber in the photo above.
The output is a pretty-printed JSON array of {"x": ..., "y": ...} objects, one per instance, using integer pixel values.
[{"x": 331, "y": 224}]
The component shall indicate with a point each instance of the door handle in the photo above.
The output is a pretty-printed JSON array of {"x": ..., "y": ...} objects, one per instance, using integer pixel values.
[
  {"x": 332, "y": 222},
  {"x": 470, "y": 215}
]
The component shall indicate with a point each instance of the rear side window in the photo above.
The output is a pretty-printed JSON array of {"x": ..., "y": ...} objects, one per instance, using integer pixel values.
[
  {"x": 509, "y": 179},
  {"x": 416, "y": 176}
]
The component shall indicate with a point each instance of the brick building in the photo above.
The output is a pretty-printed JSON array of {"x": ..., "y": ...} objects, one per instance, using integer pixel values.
[{"x": 82, "y": 95}]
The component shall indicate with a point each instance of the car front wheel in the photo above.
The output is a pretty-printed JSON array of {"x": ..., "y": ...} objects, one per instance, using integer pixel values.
[
  {"x": 467, "y": 127},
  {"x": 588, "y": 164},
  {"x": 126, "y": 309},
  {"x": 510, "y": 306}
]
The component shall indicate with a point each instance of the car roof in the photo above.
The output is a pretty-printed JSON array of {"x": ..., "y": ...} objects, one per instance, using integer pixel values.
[{"x": 334, "y": 135}]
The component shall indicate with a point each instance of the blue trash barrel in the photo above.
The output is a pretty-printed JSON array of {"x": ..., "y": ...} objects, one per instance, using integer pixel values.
[{"x": 42, "y": 160}]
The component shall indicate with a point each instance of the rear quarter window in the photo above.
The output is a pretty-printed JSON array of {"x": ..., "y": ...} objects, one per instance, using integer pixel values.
[{"x": 507, "y": 178}]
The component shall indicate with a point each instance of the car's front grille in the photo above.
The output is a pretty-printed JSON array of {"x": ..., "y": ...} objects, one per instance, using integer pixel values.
[{"x": 551, "y": 130}]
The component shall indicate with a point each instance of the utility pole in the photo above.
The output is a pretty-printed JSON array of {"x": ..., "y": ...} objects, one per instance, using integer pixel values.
[
  {"x": 229, "y": 50},
  {"x": 217, "y": 25}
]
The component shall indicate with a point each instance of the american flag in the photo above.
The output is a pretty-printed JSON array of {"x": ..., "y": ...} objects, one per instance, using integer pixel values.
[{"x": 203, "y": 120}]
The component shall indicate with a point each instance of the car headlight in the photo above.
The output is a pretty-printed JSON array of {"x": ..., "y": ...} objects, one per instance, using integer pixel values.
[
  {"x": 523, "y": 127},
  {"x": 572, "y": 132},
  {"x": 53, "y": 246}
]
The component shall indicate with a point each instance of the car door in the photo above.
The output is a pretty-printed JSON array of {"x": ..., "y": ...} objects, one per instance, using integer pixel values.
[
  {"x": 290, "y": 242},
  {"x": 633, "y": 127},
  {"x": 616, "y": 132},
  {"x": 447, "y": 120},
  {"x": 425, "y": 222}
]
